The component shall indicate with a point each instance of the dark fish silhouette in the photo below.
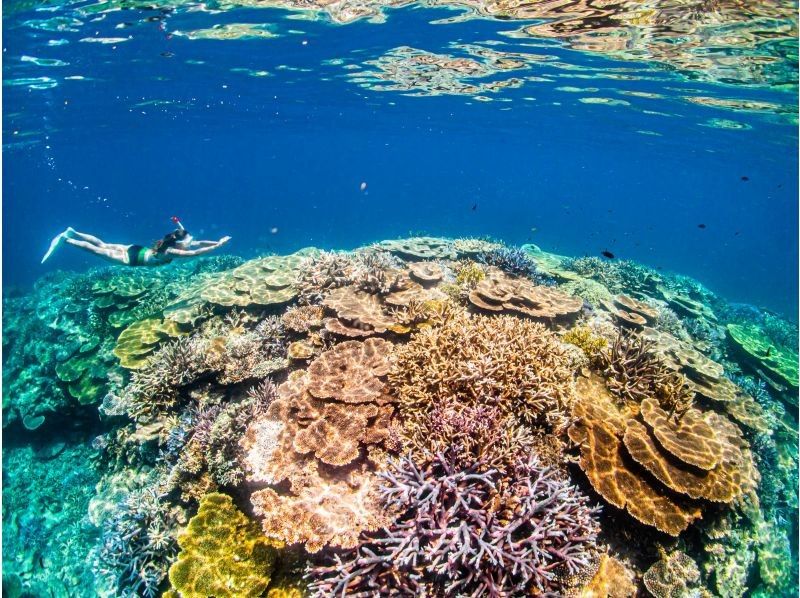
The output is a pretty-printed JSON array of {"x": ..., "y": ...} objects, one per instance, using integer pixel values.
[
  {"x": 474, "y": 207},
  {"x": 167, "y": 54},
  {"x": 608, "y": 254},
  {"x": 745, "y": 178},
  {"x": 701, "y": 226}
]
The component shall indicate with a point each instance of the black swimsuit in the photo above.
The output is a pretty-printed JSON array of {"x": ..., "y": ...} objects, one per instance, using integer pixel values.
[{"x": 137, "y": 255}]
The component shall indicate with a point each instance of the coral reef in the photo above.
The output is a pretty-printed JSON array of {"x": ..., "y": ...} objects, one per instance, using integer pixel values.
[
  {"x": 516, "y": 365},
  {"x": 455, "y": 535},
  {"x": 499, "y": 293},
  {"x": 675, "y": 574},
  {"x": 222, "y": 553},
  {"x": 414, "y": 417}
]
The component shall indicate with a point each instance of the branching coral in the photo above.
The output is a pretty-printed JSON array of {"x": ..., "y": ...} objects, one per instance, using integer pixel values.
[
  {"x": 517, "y": 365},
  {"x": 634, "y": 373},
  {"x": 456, "y": 535},
  {"x": 137, "y": 544},
  {"x": 583, "y": 337},
  {"x": 514, "y": 261}
]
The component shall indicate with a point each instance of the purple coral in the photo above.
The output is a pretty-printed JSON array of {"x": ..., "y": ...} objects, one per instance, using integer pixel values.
[
  {"x": 515, "y": 261},
  {"x": 468, "y": 533}
]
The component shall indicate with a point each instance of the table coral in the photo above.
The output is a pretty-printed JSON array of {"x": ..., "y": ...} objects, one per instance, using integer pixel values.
[
  {"x": 223, "y": 553},
  {"x": 420, "y": 248},
  {"x": 598, "y": 429},
  {"x": 758, "y": 348},
  {"x": 501, "y": 293},
  {"x": 350, "y": 371},
  {"x": 327, "y": 511}
]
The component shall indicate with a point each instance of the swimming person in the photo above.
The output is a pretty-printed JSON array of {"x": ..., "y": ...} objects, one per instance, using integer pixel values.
[{"x": 177, "y": 244}]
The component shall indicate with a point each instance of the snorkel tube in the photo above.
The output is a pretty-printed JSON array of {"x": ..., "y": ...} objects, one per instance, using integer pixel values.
[{"x": 177, "y": 222}]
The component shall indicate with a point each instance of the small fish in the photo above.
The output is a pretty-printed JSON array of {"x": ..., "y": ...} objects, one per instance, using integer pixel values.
[
  {"x": 534, "y": 229},
  {"x": 701, "y": 226},
  {"x": 363, "y": 187},
  {"x": 608, "y": 254},
  {"x": 167, "y": 54},
  {"x": 474, "y": 207},
  {"x": 745, "y": 178},
  {"x": 737, "y": 233},
  {"x": 274, "y": 230}
]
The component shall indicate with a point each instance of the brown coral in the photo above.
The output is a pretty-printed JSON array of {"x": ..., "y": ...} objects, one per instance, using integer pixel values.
[
  {"x": 517, "y": 365},
  {"x": 357, "y": 311},
  {"x": 597, "y": 430},
  {"x": 349, "y": 372},
  {"x": 501, "y": 293},
  {"x": 690, "y": 438},
  {"x": 674, "y": 575},
  {"x": 426, "y": 273},
  {"x": 324, "y": 512},
  {"x": 630, "y": 312},
  {"x": 612, "y": 580}
]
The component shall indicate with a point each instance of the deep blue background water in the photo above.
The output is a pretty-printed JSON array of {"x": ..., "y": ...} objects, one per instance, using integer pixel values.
[{"x": 238, "y": 155}]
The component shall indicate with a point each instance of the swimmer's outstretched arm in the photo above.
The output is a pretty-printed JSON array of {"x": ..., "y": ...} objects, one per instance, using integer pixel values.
[{"x": 199, "y": 250}]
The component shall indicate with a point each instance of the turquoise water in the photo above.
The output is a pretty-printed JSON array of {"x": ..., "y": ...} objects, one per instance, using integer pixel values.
[{"x": 550, "y": 247}]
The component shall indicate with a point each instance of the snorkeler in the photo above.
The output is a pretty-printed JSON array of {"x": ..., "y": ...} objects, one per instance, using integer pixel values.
[{"x": 177, "y": 244}]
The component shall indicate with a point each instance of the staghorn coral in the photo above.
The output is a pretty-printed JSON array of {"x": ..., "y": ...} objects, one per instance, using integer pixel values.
[
  {"x": 516, "y": 262},
  {"x": 455, "y": 535},
  {"x": 468, "y": 274},
  {"x": 137, "y": 544},
  {"x": 223, "y": 553},
  {"x": 302, "y": 318},
  {"x": 633, "y": 373},
  {"x": 583, "y": 338},
  {"x": 472, "y": 434},
  {"x": 630, "y": 370},
  {"x": 516, "y": 365}
]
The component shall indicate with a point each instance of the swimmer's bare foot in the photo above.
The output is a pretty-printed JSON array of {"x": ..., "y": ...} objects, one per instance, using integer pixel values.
[{"x": 67, "y": 234}]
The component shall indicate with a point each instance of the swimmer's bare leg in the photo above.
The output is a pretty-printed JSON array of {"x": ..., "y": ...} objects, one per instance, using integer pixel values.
[
  {"x": 106, "y": 251},
  {"x": 73, "y": 234}
]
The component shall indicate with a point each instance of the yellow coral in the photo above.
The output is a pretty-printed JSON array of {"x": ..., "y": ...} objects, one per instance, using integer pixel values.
[
  {"x": 583, "y": 338},
  {"x": 469, "y": 274},
  {"x": 223, "y": 553}
]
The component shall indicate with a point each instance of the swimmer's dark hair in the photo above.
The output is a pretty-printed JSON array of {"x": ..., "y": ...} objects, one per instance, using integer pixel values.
[{"x": 170, "y": 240}]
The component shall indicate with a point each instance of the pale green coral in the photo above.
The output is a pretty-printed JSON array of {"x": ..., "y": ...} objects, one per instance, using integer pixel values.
[{"x": 759, "y": 348}]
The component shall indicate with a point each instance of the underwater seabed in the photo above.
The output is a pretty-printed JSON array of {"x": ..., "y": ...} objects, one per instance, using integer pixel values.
[{"x": 419, "y": 417}]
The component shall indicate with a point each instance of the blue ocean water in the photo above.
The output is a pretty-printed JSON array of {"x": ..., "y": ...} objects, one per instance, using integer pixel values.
[{"x": 243, "y": 136}]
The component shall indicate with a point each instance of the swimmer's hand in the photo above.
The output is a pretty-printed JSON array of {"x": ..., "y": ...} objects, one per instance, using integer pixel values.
[{"x": 223, "y": 240}]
